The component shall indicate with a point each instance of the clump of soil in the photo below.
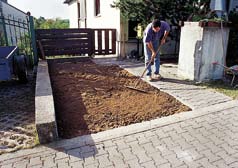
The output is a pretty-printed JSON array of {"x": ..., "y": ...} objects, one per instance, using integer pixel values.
[{"x": 90, "y": 98}]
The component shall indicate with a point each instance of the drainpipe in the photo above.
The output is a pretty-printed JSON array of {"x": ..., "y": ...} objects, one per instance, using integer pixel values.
[
  {"x": 85, "y": 18},
  {"x": 230, "y": 5}
]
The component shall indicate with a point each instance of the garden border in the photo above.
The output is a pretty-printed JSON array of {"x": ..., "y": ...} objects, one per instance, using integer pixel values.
[{"x": 45, "y": 119}]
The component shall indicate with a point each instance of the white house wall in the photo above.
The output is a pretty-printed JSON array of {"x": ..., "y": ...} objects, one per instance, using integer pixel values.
[
  {"x": 73, "y": 15},
  {"x": 109, "y": 17}
]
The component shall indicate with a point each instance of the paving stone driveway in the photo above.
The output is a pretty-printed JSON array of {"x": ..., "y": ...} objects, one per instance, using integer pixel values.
[
  {"x": 205, "y": 137},
  {"x": 17, "y": 115}
]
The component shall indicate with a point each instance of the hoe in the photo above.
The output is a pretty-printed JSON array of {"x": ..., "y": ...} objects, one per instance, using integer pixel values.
[{"x": 138, "y": 80}]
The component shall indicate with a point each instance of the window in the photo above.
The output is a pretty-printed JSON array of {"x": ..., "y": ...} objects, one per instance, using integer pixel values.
[
  {"x": 97, "y": 7},
  {"x": 132, "y": 29}
]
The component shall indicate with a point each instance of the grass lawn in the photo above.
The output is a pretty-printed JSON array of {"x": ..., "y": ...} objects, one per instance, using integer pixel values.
[{"x": 222, "y": 87}]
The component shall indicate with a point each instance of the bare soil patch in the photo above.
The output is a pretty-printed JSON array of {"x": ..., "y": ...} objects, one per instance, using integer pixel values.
[{"x": 90, "y": 98}]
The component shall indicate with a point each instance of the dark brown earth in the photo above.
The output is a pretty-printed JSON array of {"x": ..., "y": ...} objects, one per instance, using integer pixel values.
[{"x": 90, "y": 98}]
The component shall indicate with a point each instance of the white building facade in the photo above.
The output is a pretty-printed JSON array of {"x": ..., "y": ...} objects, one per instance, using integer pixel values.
[{"x": 100, "y": 14}]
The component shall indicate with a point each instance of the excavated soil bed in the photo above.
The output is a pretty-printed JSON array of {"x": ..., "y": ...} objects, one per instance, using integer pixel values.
[{"x": 90, "y": 98}]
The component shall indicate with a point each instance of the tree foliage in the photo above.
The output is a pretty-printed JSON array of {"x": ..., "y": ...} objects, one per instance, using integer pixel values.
[
  {"x": 170, "y": 10},
  {"x": 42, "y": 23}
]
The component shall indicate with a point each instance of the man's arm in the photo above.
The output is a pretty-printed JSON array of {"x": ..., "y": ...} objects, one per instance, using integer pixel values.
[
  {"x": 150, "y": 46},
  {"x": 166, "y": 33}
]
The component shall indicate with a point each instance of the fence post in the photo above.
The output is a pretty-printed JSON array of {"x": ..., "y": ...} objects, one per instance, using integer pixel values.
[
  {"x": 33, "y": 39},
  {"x": 93, "y": 42},
  {"x": 4, "y": 31},
  {"x": 15, "y": 29},
  {"x": 10, "y": 30}
]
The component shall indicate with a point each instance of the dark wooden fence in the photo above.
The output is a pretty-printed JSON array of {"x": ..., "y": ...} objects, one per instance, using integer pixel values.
[
  {"x": 105, "y": 41},
  {"x": 53, "y": 42}
]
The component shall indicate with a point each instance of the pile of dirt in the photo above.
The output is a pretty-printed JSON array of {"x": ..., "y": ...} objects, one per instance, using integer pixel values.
[{"x": 90, "y": 98}]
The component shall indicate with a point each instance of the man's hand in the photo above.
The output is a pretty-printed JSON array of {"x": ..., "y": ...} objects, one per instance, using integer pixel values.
[
  {"x": 163, "y": 41},
  {"x": 153, "y": 54},
  {"x": 153, "y": 57}
]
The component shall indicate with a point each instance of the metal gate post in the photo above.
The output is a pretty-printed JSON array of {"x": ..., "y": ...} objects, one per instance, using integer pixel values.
[{"x": 33, "y": 39}]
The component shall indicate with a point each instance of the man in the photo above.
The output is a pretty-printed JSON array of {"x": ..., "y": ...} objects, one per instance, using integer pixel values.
[{"x": 152, "y": 35}]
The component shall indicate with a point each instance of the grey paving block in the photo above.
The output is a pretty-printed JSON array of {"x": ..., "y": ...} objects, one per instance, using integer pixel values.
[
  {"x": 121, "y": 144},
  {"x": 104, "y": 161},
  {"x": 35, "y": 161},
  {"x": 234, "y": 164},
  {"x": 149, "y": 148},
  {"x": 133, "y": 163},
  {"x": 205, "y": 163},
  {"x": 135, "y": 147},
  {"x": 149, "y": 164},
  {"x": 127, "y": 154},
  {"x": 117, "y": 160},
  {"x": 22, "y": 164},
  {"x": 76, "y": 164},
  {"x": 90, "y": 161},
  {"x": 61, "y": 155}
]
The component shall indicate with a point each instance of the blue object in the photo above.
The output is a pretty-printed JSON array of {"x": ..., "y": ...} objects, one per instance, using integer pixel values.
[
  {"x": 218, "y": 5},
  {"x": 6, "y": 61}
]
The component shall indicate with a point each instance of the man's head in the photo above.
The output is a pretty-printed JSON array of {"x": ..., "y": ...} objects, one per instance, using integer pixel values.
[{"x": 156, "y": 25}]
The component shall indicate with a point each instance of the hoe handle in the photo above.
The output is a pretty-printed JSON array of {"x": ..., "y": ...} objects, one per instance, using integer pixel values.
[{"x": 152, "y": 58}]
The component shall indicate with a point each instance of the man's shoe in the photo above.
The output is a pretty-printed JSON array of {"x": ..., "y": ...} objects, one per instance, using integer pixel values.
[
  {"x": 149, "y": 78},
  {"x": 157, "y": 76}
]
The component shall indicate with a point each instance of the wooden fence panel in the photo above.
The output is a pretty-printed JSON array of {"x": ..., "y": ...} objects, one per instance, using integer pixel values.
[
  {"x": 114, "y": 41},
  {"x": 106, "y": 43},
  {"x": 66, "y": 41},
  {"x": 76, "y": 41}
]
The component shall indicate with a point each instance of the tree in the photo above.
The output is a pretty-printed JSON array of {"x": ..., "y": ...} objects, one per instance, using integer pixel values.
[
  {"x": 42, "y": 23},
  {"x": 169, "y": 10}
]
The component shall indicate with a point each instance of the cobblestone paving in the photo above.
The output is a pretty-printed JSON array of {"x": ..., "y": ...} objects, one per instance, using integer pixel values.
[
  {"x": 17, "y": 115},
  {"x": 205, "y": 141},
  {"x": 203, "y": 138}
]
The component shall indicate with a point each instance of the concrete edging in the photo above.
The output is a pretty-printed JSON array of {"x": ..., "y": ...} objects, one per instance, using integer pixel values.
[
  {"x": 45, "y": 120},
  {"x": 141, "y": 127}
]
